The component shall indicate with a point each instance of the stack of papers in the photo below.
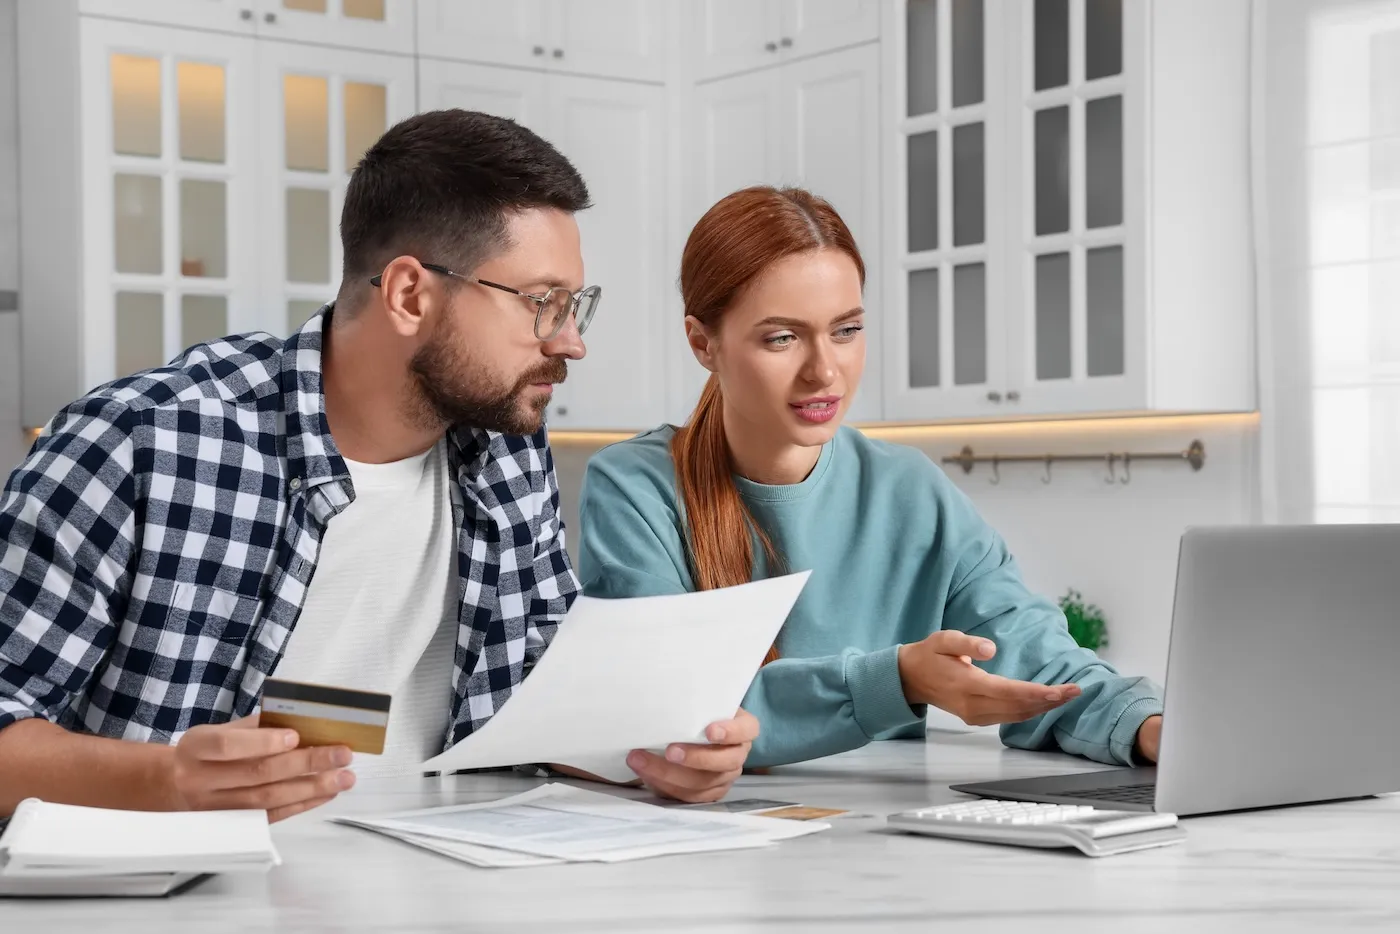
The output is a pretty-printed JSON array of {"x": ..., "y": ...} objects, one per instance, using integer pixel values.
[
  {"x": 62, "y": 849},
  {"x": 557, "y": 823},
  {"x": 636, "y": 673}
]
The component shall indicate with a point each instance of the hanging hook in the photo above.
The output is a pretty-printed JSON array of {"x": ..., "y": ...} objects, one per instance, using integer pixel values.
[
  {"x": 1112, "y": 477},
  {"x": 996, "y": 471},
  {"x": 1127, "y": 473},
  {"x": 1045, "y": 478}
]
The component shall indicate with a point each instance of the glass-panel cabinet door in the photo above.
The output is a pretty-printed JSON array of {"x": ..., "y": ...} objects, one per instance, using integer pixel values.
[
  {"x": 1075, "y": 337},
  {"x": 372, "y": 25},
  {"x": 169, "y": 168},
  {"x": 319, "y": 109},
  {"x": 945, "y": 335}
]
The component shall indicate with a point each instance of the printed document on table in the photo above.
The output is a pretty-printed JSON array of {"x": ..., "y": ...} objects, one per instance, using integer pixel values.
[
  {"x": 561, "y": 822},
  {"x": 637, "y": 673}
]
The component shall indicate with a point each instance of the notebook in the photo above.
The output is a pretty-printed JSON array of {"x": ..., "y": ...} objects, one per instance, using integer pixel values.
[{"x": 54, "y": 847}]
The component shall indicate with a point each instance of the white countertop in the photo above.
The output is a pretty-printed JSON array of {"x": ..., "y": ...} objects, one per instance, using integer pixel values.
[{"x": 1322, "y": 867}]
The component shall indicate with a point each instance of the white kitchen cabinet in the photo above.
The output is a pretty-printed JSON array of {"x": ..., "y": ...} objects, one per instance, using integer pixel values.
[
  {"x": 319, "y": 109},
  {"x": 371, "y": 25},
  {"x": 811, "y": 27},
  {"x": 1080, "y": 249},
  {"x": 615, "y": 133},
  {"x": 232, "y": 16},
  {"x": 624, "y": 39},
  {"x": 484, "y": 31},
  {"x": 193, "y": 192},
  {"x": 168, "y": 223},
  {"x": 505, "y": 92},
  {"x": 368, "y": 25},
  {"x": 727, "y": 37},
  {"x": 813, "y": 123}
]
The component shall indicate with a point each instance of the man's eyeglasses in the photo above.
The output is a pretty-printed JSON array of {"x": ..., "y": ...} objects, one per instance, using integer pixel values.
[{"x": 552, "y": 308}]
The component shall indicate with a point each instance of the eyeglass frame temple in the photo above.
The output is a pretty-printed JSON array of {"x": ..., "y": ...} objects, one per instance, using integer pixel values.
[{"x": 539, "y": 300}]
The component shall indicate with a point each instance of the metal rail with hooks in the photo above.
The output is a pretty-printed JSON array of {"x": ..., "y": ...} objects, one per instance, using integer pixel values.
[{"x": 1195, "y": 455}]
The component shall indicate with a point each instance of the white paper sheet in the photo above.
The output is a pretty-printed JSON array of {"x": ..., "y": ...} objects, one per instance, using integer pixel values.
[
  {"x": 484, "y": 857},
  {"x": 558, "y": 822},
  {"x": 632, "y": 674}
]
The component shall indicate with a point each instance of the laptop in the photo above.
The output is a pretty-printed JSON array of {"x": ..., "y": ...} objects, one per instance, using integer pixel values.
[{"x": 1281, "y": 682}]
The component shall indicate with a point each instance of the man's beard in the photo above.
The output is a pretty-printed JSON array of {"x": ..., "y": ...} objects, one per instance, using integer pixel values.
[{"x": 453, "y": 391}]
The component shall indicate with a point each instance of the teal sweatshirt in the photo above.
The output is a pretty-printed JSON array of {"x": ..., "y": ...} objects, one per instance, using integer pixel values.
[{"x": 896, "y": 552}]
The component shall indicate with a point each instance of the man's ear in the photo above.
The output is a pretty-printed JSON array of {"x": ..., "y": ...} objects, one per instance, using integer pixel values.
[
  {"x": 702, "y": 342},
  {"x": 407, "y": 300}
]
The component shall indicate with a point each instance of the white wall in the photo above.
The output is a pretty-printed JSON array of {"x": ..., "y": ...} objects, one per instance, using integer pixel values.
[
  {"x": 12, "y": 442},
  {"x": 1116, "y": 544}
]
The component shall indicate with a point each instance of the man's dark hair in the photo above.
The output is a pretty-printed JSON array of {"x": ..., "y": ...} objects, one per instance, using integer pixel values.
[{"x": 441, "y": 186}]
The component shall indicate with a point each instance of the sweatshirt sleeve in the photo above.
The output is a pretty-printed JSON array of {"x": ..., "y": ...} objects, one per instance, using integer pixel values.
[
  {"x": 989, "y": 599},
  {"x": 630, "y": 545}
]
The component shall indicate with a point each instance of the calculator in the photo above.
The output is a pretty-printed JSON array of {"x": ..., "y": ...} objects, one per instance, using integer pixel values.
[{"x": 1092, "y": 831}]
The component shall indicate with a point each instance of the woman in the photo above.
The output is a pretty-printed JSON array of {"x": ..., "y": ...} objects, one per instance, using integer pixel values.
[{"x": 913, "y": 599}]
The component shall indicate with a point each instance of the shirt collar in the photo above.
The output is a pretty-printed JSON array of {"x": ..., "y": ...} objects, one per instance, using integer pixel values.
[{"x": 312, "y": 457}]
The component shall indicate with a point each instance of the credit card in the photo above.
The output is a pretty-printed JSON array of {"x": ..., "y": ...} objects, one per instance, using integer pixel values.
[{"x": 327, "y": 716}]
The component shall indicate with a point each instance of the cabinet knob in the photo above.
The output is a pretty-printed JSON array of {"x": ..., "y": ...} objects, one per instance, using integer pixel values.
[
  {"x": 538, "y": 50},
  {"x": 994, "y": 396},
  {"x": 1013, "y": 396},
  {"x": 269, "y": 17},
  {"x": 561, "y": 410},
  {"x": 558, "y": 53},
  {"x": 245, "y": 14},
  {"x": 786, "y": 42},
  {"x": 770, "y": 46}
]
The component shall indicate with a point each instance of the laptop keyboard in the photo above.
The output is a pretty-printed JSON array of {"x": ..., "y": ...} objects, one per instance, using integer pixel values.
[{"x": 1133, "y": 794}]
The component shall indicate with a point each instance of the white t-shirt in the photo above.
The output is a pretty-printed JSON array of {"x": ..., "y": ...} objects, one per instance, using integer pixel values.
[{"x": 381, "y": 614}]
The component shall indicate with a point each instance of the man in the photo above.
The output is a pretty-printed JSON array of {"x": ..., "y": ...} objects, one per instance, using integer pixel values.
[{"x": 370, "y": 504}]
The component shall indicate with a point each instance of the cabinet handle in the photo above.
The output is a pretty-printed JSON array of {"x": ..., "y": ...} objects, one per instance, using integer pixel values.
[
  {"x": 770, "y": 46},
  {"x": 994, "y": 396},
  {"x": 1013, "y": 396},
  {"x": 558, "y": 53},
  {"x": 538, "y": 50},
  {"x": 269, "y": 17},
  {"x": 245, "y": 14},
  {"x": 786, "y": 42}
]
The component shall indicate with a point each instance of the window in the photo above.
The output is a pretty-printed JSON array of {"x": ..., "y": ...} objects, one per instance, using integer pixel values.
[{"x": 1352, "y": 157}]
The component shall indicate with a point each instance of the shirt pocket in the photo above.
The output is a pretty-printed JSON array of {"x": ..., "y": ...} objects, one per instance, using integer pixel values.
[{"x": 209, "y": 614}]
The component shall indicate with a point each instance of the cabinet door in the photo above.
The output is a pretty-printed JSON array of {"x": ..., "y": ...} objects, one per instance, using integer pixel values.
[
  {"x": 371, "y": 25},
  {"x": 610, "y": 38},
  {"x": 831, "y": 129},
  {"x": 505, "y": 92},
  {"x": 731, "y": 36},
  {"x": 234, "y": 16},
  {"x": 945, "y": 233},
  {"x": 486, "y": 31},
  {"x": 615, "y": 133},
  {"x": 319, "y": 110},
  {"x": 810, "y": 27},
  {"x": 170, "y": 178},
  {"x": 734, "y": 139},
  {"x": 1077, "y": 339}
]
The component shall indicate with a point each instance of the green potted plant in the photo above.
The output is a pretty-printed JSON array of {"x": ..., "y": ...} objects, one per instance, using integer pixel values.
[{"x": 1086, "y": 622}]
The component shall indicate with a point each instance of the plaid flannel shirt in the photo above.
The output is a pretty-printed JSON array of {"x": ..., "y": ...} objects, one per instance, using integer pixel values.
[{"x": 157, "y": 544}]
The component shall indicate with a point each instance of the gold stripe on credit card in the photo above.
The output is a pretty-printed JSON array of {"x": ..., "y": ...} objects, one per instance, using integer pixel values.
[{"x": 327, "y": 716}]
